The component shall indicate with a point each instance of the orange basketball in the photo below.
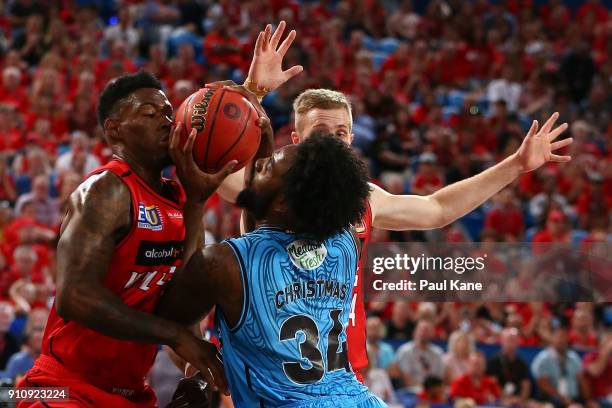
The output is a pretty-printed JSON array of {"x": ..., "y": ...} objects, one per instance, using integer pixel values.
[{"x": 226, "y": 123}]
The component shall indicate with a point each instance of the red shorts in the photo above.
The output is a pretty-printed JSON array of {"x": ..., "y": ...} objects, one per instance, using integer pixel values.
[{"x": 47, "y": 372}]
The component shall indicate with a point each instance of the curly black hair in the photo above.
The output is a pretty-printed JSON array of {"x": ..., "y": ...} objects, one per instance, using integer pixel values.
[
  {"x": 122, "y": 86},
  {"x": 325, "y": 188}
]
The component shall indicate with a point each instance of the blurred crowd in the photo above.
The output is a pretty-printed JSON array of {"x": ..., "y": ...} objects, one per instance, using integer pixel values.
[{"x": 440, "y": 89}]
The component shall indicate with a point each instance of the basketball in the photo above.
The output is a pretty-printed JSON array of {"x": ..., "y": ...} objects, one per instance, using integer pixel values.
[{"x": 226, "y": 123}]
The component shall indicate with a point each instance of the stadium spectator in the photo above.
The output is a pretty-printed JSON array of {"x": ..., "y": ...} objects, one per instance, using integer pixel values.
[
  {"x": 582, "y": 335},
  {"x": 434, "y": 391},
  {"x": 506, "y": 88},
  {"x": 8, "y": 343},
  {"x": 400, "y": 326},
  {"x": 475, "y": 383},
  {"x": 427, "y": 180},
  {"x": 22, "y": 361},
  {"x": 220, "y": 47},
  {"x": 418, "y": 358},
  {"x": 598, "y": 372},
  {"x": 12, "y": 93},
  {"x": 506, "y": 217},
  {"x": 557, "y": 230},
  {"x": 78, "y": 159},
  {"x": 510, "y": 370},
  {"x": 456, "y": 360},
  {"x": 46, "y": 207},
  {"x": 378, "y": 382},
  {"x": 381, "y": 352},
  {"x": 124, "y": 31},
  {"x": 558, "y": 372}
]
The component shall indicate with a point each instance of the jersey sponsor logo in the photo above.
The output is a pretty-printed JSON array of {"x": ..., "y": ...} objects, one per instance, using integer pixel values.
[
  {"x": 149, "y": 217},
  {"x": 175, "y": 214},
  {"x": 152, "y": 253},
  {"x": 306, "y": 254}
]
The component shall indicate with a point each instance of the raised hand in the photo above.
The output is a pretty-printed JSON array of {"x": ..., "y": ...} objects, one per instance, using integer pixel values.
[
  {"x": 197, "y": 184},
  {"x": 538, "y": 146},
  {"x": 266, "y": 70}
]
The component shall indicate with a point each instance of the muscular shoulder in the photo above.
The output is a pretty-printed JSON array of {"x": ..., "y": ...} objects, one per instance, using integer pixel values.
[
  {"x": 101, "y": 202},
  {"x": 221, "y": 260}
]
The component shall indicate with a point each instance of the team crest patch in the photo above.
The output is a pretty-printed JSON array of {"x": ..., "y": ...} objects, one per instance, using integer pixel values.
[
  {"x": 149, "y": 217},
  {"x": 306, "y": 255}
]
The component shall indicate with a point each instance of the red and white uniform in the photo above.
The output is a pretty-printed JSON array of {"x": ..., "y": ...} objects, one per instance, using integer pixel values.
[
  {"x": 356, "y": 330},
  {"x": 142, "y": 263}
]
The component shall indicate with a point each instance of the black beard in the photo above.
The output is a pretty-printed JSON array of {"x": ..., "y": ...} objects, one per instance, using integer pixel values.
[{"x": 253, "y": 202}]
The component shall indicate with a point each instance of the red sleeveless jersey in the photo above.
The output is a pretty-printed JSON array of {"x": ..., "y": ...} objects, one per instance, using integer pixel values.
[
  {"x": 141, "y": 265},
  {"x": 356, "y": 330}
]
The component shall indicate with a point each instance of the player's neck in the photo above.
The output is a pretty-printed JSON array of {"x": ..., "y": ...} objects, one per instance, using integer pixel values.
[
  {"x": 150, "y": 174},
  {"x": 272, "y": 222}
]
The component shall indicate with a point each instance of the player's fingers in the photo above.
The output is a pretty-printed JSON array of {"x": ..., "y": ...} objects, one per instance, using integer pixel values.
[
  {"x": 188, "y": 148},
  {"x": 549, "y": 123},
  {"x": 175, "y": 135},
  {"x": 560, "y": 144},
  {"x": 206, "y": 373},
  {"x": 263, "y": 122},
  {"x": 556, "y": 132},
  {"x": 266, "y": 37},
  {"x": 560, "y": 159},
  {"x": 282, "y": 50},
  {"x": 533, "y": 129},
  {"x": 225, "y": 171},
  {"x": 258, "y": 43},
  {"x": 293, "y": 71},
  {"x": 277, "y": 35},
  {"x": 219, "y": 373}
]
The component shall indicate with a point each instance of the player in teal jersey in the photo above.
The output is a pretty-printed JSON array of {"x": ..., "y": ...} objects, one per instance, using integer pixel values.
[{"x": 283, "y": 291}]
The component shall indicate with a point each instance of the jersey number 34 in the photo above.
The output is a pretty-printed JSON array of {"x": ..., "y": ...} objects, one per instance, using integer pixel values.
[{"x": 309, "y": 348}]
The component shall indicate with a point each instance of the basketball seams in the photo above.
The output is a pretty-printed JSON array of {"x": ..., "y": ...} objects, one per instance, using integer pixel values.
[
  {"x": 246, "y": 124},
  {"x": 212, "y": 128}
]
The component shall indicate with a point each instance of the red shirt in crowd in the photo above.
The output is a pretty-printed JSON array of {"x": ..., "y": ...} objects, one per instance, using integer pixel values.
[
  {"x": 214, "y": 57},
  {"x": 505, "y": 222},
  {"x": 485, "y": 392},
  {"x": 583, "y": 341},
  {"x": 601, "y": 386}
]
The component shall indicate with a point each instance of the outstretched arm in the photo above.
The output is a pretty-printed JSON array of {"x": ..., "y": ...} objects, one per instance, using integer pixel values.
[
  {"x": 402, "y": 212},
  {"x": 265, "y": 74}
]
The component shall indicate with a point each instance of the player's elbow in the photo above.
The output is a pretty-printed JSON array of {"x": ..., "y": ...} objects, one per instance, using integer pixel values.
[{"x": 67, "y": 303}]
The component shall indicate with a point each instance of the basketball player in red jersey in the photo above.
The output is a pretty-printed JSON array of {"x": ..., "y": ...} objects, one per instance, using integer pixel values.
[
  {"x": 124, "y": 236},
  {"x": 330, "y": 111}
]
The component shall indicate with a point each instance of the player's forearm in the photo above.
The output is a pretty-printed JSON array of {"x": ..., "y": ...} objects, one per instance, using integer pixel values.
[
  {"x": 193, "y": 214},
  {"x": 460, "y": 198},
  {"x": 99, "y": 309},
  {"x": 187, "y": 299},
  {"x": 177, "y": 360}
]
